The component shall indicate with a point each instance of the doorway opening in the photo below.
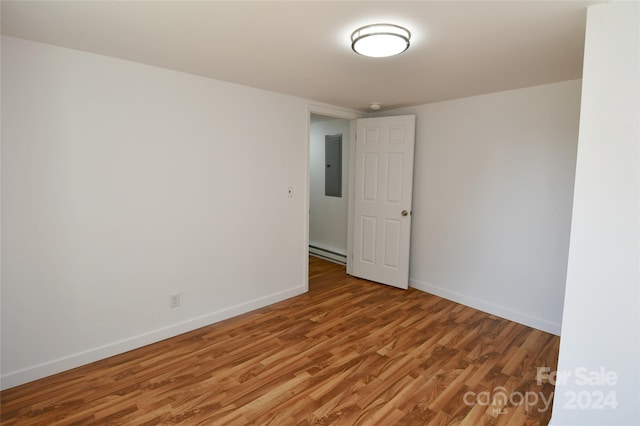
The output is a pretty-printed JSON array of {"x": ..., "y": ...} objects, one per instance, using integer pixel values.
[
  {"x": 377, "y": 248},
  {"x": 328, "y": 187},
  {"x": 321, "y": 113}
]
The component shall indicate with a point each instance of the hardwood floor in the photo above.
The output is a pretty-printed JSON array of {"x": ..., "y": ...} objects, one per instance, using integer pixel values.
[{"x": 348, "y": 352}]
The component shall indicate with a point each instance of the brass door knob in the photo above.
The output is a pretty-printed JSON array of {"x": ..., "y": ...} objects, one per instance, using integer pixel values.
[{"x": 404, "y": 213}]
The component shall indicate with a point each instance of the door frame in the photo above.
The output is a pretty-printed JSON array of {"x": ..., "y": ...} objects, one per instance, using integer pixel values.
[{"x": 344, "y": 114}]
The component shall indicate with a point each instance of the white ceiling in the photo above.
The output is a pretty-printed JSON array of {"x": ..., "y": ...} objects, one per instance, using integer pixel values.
[{"x": 302, "y": 48}]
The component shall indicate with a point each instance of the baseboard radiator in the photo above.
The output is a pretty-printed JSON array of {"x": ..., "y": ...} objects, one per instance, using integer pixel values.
[{"x": 329, "y": 255}]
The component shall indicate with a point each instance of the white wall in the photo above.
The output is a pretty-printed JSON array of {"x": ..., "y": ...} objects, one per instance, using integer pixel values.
[
  {"x": 327, "y": 215},
  {"x": 601, "y": 323},
  {"x": 123, "y": 183},
  {"x": 493, "y": 185}
]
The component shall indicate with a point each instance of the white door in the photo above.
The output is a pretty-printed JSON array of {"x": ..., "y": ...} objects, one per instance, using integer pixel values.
[{"x": 382, "y": 199}]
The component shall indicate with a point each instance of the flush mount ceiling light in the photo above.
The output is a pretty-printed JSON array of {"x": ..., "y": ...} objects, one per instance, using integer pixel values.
[{"x": 380, "y": 40}]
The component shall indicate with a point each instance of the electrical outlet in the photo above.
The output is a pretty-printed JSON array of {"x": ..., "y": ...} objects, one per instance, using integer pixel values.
[{"x": 174, "y": 300}]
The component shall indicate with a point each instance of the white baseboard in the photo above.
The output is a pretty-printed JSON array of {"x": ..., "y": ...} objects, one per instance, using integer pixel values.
[
  {"x": 488, "y": 307},
  {"x": 76, "y": 360}
]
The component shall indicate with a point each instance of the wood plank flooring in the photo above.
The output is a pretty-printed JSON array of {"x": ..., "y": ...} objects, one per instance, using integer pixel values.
[{"x": 349, "y": 352}]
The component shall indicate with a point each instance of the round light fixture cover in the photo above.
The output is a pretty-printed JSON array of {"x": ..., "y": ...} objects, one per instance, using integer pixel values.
[{"x": 380, "y": 40}]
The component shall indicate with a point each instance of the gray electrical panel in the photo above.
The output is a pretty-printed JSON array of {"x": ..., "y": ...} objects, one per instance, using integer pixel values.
[{"x": 333, "y": 165}]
